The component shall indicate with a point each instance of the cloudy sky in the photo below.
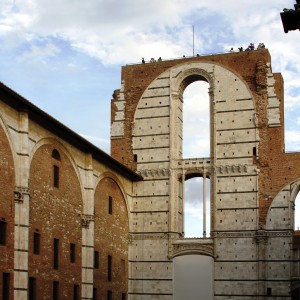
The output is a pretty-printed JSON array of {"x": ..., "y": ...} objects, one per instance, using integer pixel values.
[{"x": 65, "y": 56}]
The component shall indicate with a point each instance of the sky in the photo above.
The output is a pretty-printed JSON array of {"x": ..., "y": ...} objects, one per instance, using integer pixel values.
[{"x": 65, "y": 56}]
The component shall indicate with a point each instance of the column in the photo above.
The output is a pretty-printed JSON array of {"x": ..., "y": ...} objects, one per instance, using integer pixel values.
[{"x": 204, "y": 205}]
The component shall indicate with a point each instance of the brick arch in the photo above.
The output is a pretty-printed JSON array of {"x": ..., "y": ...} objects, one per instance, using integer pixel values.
[
  {"x": 111, "y": 230},
  {"x": 7, "y": 205},
  {"x": 55, "y": 213}
]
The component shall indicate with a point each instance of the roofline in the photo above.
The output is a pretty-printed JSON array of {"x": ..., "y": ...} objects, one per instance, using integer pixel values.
[{"x": 19, "y": 103}]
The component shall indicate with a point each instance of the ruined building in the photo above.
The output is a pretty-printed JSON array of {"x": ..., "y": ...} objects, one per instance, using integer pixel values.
[{"x": 76, "y": 223}]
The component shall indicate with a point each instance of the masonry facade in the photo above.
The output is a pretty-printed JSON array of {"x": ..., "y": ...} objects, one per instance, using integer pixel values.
[
  {"x": 63, "y": 210},
  {"x": 253, "y": 182},
  {"x": 76, "y": 223}
]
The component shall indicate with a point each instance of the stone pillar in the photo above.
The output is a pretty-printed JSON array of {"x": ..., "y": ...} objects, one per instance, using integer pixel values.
[
  {"x": 87, "y": 219},
  {"x": 204, "y": 205},
  {"x": 21, "y": 197}
]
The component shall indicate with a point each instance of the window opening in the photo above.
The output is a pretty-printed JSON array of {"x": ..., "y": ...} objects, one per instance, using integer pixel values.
[
  {"x": 5, "y": 285},
  {"x": 196, "y": 120},
  {"x": 36, "y": 243},
  {"x": 96, "y": 259},
  {"x": 123, "y": 296},
  {"x": 55, "y": 176},
  {"x": 297, "y": 214},
  {"x": 110, "y": 205},
  {"x": 109, "y": 295},
  {"x": 55, "y": 253},
  {"x": 55, "y": 290},
  {"x": 196, "y": 222},
  {"x": 32, "y": 288},
  {"x": 95, "y": 294},
  {"x": 72, "y": 253},
  {"x": 76, "y": 292},
  {"x": 3, "y": 227},
  {"x": 109, "y": 268},
  {"x": 55, "y": 154}
]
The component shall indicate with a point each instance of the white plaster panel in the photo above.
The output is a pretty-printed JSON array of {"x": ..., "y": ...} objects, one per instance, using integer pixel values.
[
  {"x": 117, "y": 129},
  {"x": 151, "y": 112},
  {"x": 239, "y": 287},
  {"x": 150, "y": 187},
  {"x": 150, "y": 203},
  {"x": 234, "y": 200},
  {"x": 22, "y": 241},
  {"x": 151, "y": 126},
  {"x": 159, "y": 91},
  {"x": 154, "y": 141},
  {"x": 236, "y": 184},
  {"x": 159, "y": 270},
  {"x": 154, "y": 102},
  {"x": 152, "y": 155},
  {"x": 234, "y": 136},
  {"x": 150, "y": 222},
  {"x": 235, "y": 248},
  {"x": 244, "y": 270},
  {"x": 154, "y": 286},
  {"x": 21, "y": 260},
  {"x": 243, "y": 219},
  {"x": 244, "y": 150}
]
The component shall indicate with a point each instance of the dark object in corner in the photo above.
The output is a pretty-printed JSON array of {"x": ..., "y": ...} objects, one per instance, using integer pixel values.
[{"x": 291, "y": 18}]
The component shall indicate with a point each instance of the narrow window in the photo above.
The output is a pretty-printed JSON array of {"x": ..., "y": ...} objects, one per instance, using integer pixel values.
[
  {"x": 109, "y": 267},
  {"x": 254, "y": 151},
  {"x": 32, "y": 288},
  {"x": 110, "y": 205},
  {"x": 55, "y": 253},
  {"x": 269, "y": 291},
  {"x": 96, "y": 259},
  {"x": 95, "y": 294},
  {"x": 135, "y": 157},
  {"x": 5, "y": 285},
  {"x": 3, "y": 226},
  {"x": 56, "y": 176},
  {"x": 55, "y": 154},
  {"x": 109, "y": 295},
  {"x": 76, "y": 292},
  {"x": 36, "y": 243},
  {"x": 123, "y": 296},
  {"x": 55, "y": 290},
  {"x": 72, "y": 253}
]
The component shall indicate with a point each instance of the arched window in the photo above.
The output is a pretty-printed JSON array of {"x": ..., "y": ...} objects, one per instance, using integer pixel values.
[
  {"x": 55, "y": 154},
  {"x": 196, "y": 120}
]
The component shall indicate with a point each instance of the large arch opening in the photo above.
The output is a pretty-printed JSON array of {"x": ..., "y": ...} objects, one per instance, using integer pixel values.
[
  {"x": 197, "y": 207},
  {"x": 196, "y": 120}
]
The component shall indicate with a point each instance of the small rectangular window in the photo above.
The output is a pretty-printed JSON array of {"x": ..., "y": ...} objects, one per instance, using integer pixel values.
[
  {"x": 76, "y": 292},
  {"x": 36, "y": 243},
  {"x": 32, "y": 288},
  {"x": 95, "y": 294},
  {"x": 96, "y": 259},
  {"x": 109, "y": 295},
  {"x": 56, "y": 176},
  {"x": 123, "y": 296},
  {"x": 269, "y": 291},
  {"x": 55, "y": 290},
  {"x": 3, "y": 227},
  {"x": 5, "y": 285},
  {"x": 110, "y": 205},
  {"x": 135, "y": 157},
  {"x": 72, "y": 253},
  {"x": 109, "y": 268},
  {"x": 55, "y": 253}
]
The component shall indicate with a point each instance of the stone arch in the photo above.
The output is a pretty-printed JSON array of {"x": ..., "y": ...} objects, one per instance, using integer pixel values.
[
  {"x": 55, "y": 216},
  {"x": 114, "y": 177},
  {"x": 61, "y": 146},
  {"x": 111, "y": 227}
]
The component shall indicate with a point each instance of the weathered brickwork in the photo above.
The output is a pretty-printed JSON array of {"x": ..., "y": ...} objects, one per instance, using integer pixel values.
[
  {"x": 253, "y": 182},
  {"x": 54, "y": 187},
  {"x": 7, "y": 208}
]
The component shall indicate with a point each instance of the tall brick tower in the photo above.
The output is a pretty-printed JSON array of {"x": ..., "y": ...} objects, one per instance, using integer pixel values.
[{"x": 253, "y": 182}]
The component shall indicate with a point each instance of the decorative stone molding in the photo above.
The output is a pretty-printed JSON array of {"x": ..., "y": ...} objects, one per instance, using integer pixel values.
[
  {"x": 232, "y": 169},
  {"x": 19, "y": 193},
  {"x": 193, "y": 246},
  {"x": 261, "y": 236},
  {"x": 86, "y": 219},
  {"x": 154, "y": 173},
  {"x": 152, "y": 236}
]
